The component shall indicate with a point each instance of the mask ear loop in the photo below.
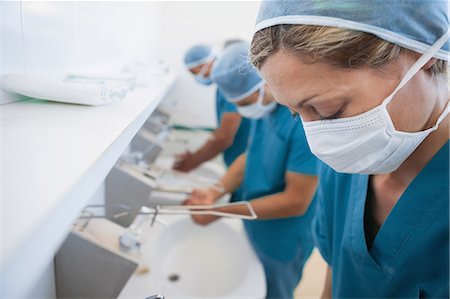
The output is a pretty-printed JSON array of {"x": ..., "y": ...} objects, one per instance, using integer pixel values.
[
  {"x": 261, "y": 93},
  {"x": 419, "y": 64},
  {"x": 203, "y": 69}
]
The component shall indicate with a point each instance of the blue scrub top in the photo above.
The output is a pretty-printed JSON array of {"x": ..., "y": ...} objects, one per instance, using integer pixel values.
[
  {"x": 409, "y": 257},
  {"x": 278, "y": 145},
  {"x": 240, "y": 140}
]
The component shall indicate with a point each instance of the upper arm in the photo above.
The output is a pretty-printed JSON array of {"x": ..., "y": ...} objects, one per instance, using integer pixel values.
[
  {"x": 300, "y": 189},
  {"x": 300, "y": 159},
  {"x": 302, "y": 168},
  {"x": 327, "y": 289},
  {"x": 239, "y": 162},
  {"x": 229, "y": 125},
  {"x": 323, "y": 219}
]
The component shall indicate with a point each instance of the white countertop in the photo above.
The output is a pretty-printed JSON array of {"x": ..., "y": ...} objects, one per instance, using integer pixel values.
[{"x": 53, "y": 157}]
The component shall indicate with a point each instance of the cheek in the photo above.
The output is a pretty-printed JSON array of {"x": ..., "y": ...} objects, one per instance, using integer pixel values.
[{"x": 408, "y": 114}]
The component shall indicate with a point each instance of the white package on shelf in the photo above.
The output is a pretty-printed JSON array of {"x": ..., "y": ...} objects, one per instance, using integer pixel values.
[{"x": 84, "y": 93}]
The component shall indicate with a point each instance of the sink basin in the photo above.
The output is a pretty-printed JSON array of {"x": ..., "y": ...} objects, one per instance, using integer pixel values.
[
  {"x": 213, "y": 170},
  {"x": 202, "y": 177},
  {"x": 186, "y": 260}
]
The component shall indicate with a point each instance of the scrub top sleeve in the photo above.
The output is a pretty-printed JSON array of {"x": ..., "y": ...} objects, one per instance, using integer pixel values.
[
  {"x": 321, "y": 234},
  {"x": 229, "y": 107},
  {"x": 300, "y": 158}
]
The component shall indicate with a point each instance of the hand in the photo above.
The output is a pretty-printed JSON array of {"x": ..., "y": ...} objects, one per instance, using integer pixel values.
[
  {"x": 204, "y": 219},
  {"x": 203, "y": 197},
  {"x": 185, "y": 162}
]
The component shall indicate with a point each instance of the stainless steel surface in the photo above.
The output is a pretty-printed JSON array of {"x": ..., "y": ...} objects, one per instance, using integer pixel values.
[
  {"x": 91, "y": 264},
  {"x": 125, "y": 188},
  {"x": 143, "y": 148}
]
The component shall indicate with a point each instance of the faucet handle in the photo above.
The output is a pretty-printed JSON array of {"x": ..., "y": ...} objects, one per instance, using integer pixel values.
[{"x": 155, "y": 297}]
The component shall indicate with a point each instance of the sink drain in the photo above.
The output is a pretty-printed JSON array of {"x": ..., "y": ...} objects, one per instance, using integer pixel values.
[{"x": 174, "y": 277}]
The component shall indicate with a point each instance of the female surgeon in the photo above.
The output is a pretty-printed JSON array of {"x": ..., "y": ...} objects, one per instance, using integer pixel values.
[
  {"x": 277, "y": 175},
  {"x": 368, "y": 79},
  {"x": 232, "y": 134}
]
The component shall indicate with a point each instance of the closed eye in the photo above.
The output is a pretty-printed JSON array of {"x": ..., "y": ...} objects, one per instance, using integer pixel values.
[{"x": 333, "y": 116}]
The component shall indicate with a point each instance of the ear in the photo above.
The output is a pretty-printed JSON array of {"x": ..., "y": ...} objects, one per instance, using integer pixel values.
[{"x": 429, "y": 64}]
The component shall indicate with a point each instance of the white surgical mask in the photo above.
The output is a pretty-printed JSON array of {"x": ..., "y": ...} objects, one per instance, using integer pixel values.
[
  {"x": 200, "y": 77},
  {"x": 368, "y": 143},
  {"x": 257, "y": 109}
]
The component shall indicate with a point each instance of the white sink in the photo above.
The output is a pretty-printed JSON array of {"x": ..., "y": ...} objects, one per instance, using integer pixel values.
[
  {"x": 213, "y": 170},
  {"x": 204, "y": 176},
  {"x": 190, "y": 261}
]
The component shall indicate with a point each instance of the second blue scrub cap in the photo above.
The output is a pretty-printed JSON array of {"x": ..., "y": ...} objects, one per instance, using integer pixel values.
[
  {"x": 412, "y": 24},
  {"x": 233, "y": 73},
  {"x": 198, "y": 55}
]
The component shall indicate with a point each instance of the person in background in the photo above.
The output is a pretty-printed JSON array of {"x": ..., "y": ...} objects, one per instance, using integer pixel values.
[
  {"x": 230, "y": 138},
  {"x": 277, "y": 175},
  {"x": 369, "y": 80}
]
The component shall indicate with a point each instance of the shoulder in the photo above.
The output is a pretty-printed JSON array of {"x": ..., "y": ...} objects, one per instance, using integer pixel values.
[
  {"x": 334, "y": 192},
  {"x": 220, "y": 96},
  {"x": 225, "y": 105},
  {"x": 334, "y": 187}
]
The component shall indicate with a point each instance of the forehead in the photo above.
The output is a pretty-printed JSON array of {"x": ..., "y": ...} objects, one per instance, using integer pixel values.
[
  {"x": 282, "y": 67},
  {"x": 290, "y": 76}
]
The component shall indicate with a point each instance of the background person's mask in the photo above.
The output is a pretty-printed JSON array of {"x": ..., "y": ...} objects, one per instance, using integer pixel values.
[
  {"x": 257, "y": 109},
  {"x": 200, "y": 77},
  {"x": 369, "y": 143}
]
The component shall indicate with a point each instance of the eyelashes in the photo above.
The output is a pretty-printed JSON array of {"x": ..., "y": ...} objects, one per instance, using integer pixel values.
[
  {"x": 334, "y": 116},
  {"x": 296, "y": 116}
]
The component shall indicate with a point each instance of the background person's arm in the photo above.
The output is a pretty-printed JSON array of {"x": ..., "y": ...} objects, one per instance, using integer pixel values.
[
  {"x": 293, "y": 201},
  {"x": 301, "y": 182},
  {"x": 229, "y": 182},
  {"x": 327, "y": 294},
  {"x": 221, "y": 139}
]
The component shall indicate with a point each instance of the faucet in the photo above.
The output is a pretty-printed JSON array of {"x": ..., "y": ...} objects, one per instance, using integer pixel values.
[{"x": 131, "y": 238}]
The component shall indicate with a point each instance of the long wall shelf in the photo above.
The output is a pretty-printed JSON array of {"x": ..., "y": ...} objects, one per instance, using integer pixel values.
[{"x": 53, "y": 157}]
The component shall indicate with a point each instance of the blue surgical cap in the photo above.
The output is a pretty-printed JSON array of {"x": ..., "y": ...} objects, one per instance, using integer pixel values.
[
  {"x": 412, "y": 24},
  {"x": 197, "y": 55},
  {"x": 233, "y": 73}
]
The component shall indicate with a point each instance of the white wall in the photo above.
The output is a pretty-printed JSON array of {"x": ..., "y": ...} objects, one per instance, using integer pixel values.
[
  {"x": 187, "y": 23},
  {"x": 57, "y": 37}
]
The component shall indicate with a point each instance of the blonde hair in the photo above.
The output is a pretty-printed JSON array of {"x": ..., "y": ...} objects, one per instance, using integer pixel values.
[{"x": 339, "y": 47}]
